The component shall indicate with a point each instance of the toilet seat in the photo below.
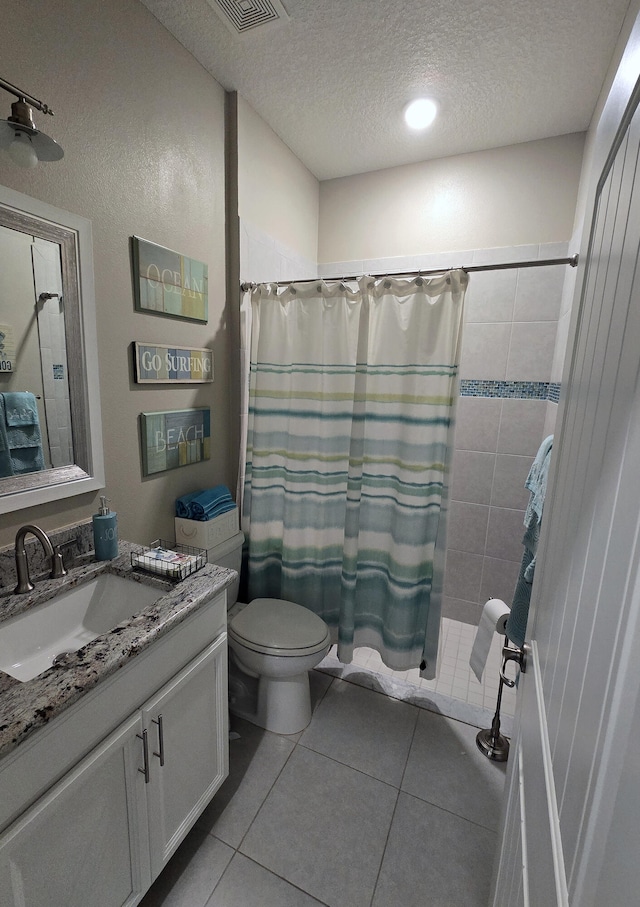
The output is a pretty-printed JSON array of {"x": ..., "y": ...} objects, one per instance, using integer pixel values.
[{"x": 274, "y": 626}]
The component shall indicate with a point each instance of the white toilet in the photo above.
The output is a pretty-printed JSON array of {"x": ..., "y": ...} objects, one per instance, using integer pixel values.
[{"x": 273, "y": 645}]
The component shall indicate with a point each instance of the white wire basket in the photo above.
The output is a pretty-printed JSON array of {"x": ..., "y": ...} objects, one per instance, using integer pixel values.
[{"x": 168, "y": 561}]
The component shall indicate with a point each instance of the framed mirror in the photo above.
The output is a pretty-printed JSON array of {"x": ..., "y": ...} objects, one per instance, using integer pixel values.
[{"x": 50, "y": 424}]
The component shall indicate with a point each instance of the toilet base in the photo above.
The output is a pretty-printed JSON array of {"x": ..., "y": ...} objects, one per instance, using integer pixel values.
[
  {"x": 278, "y": 704},
  {"x": 284, "y": 703}
]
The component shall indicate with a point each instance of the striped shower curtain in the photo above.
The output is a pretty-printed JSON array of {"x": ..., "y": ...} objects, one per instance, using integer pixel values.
[{"x": 350, "y": 415}]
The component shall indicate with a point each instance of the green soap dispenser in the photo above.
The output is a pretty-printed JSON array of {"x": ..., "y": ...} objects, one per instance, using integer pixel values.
[{"x": 105, "y": 532}]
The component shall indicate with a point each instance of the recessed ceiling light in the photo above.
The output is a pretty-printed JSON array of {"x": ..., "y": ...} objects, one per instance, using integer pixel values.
[{"x": 420, "y": 113}]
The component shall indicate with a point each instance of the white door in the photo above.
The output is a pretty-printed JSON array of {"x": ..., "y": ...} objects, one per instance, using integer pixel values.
[
  {"x": 187, "y": 729},
  {"x": 571, "y": 831}
]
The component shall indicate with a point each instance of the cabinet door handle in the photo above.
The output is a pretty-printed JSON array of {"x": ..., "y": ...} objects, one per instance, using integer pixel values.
[
  {"x": 145, "y": 751},
  {"x": 160, "y": 755}
]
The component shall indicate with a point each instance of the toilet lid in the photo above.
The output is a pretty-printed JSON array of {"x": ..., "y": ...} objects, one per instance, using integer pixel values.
[{"x": 277, "y": 624}]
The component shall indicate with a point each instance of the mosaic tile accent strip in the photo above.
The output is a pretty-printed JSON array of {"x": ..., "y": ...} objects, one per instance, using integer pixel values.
[
  {"x": 524, "y": 390},
  {"x": 554, "y": 393}
]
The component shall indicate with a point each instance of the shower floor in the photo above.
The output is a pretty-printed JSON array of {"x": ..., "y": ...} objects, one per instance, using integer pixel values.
[{"x": 455, "y": 691}]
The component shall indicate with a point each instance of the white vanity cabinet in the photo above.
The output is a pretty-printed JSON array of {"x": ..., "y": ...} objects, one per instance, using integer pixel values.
[
  {"x": 187, "y": 749},
  {"x": 106, "y": 829},
  {"x": 83, "y": 842}
]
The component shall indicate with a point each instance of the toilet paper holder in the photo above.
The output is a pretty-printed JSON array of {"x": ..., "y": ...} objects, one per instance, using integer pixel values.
[
  {"x": 491, "y": 742},
  {"x": 513, "y": 653}
]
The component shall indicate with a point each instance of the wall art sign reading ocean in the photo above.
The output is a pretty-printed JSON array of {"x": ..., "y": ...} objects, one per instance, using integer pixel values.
[{"x": 168, "y": 283}]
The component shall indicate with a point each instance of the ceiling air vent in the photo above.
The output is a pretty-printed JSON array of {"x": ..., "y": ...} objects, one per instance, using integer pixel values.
[{"x": 242, "y": 15}]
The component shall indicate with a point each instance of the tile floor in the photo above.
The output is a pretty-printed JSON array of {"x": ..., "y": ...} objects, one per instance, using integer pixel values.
[
  {"x": 380, "y": 802},
  {"x": 455, "y": 677}
]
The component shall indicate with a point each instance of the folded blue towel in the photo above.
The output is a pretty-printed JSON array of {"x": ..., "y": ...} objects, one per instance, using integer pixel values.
[
  {"x": 21, "y": 408},
  {"x": 211, "y": 514},
  {"x": 183, "y": 508},
  {"x": 205, "y": 505},
  {"x": 211, "y": 503}
]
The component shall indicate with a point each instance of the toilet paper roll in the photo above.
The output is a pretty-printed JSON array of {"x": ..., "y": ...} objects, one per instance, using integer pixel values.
[{"x": 493, "y": 620}]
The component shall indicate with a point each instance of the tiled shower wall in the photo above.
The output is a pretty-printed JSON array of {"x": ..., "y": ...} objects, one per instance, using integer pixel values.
[
  {"x": 504, "y": 413},
  {"x": 509, "y": 392}
]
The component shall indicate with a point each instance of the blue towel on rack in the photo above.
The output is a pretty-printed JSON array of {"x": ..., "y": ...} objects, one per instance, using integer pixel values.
[
  {"x": 516, "y": 626},
  {"x": 6, "y": 469},
  {"x": 27, "y": 459},
  {"x": 21, "y": 408},
  {"x": 23, "y": 438},
  {"x": 536, "y": 483}
]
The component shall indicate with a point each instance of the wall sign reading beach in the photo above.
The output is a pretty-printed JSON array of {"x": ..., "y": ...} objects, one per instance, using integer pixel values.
[
  {"x": 161, "y": 363},
  {"x": 169, "y": 283},
  {"x": 174, "y": 438}
]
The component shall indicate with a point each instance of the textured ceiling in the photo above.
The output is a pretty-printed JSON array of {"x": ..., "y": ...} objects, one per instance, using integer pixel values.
[{"x": 333, "y": 78}]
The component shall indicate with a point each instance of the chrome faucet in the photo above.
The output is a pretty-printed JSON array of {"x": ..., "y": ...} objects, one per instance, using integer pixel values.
[{"x": 22, "y": 566}]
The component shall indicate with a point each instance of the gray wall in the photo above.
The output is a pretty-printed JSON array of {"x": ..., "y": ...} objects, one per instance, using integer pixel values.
[
  {"x": 142, "y": 127},
  {"x": 509, "y": 335}
]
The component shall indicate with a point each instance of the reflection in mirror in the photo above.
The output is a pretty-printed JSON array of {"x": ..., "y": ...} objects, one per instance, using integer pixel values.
[
  {"x": 35, "y": 413},
  {"x": 50, "y": 436}
]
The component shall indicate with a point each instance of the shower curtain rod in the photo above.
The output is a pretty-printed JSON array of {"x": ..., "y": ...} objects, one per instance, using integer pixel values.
[{"x": 572, "y": 261}]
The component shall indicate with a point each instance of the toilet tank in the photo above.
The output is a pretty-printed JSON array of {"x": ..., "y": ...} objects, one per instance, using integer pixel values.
[{"x": 229, "y": 554}]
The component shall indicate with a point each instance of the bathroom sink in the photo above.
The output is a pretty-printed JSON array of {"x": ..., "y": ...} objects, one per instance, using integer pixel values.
[{"x": 31, "y": 641}]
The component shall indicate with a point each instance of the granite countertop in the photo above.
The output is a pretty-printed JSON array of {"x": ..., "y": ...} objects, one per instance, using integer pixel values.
[{"x": 25, "y": 707}]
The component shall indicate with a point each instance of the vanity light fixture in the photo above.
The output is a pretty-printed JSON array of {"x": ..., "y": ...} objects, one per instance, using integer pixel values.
[
  {"x": 19, "y": 136},
  {"x": 420, "y": 114}
]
